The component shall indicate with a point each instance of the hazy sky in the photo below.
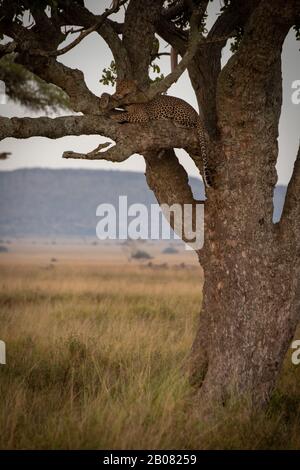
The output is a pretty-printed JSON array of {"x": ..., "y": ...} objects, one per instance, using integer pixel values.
[{"x": 91, "y": 56}]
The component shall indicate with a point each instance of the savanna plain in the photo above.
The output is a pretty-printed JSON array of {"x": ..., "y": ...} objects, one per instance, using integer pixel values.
[{"x": 97, "y": 353}]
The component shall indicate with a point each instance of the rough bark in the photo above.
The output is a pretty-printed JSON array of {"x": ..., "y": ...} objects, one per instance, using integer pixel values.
[
  {"x": 139, "y": 28},
  {"x": 165, "y": 167},
  {"x": 250, "y": 305}
]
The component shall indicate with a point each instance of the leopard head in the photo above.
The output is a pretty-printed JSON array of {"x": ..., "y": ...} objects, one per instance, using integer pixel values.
[{"x": 125, "y": 87}]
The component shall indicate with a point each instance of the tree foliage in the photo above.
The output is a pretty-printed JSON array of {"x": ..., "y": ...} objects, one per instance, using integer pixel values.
[{"x": 27, "y": 89}]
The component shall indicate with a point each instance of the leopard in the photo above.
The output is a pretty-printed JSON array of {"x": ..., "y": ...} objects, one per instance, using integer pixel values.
[{"x": 164, "y": 107}]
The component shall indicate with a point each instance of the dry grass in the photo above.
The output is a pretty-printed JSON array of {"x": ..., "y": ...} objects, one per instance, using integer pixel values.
[{"x": 95, "y": 359}]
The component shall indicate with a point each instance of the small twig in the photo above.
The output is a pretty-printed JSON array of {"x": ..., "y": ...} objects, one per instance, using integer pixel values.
[
  {"x": 161, "y": 53},
  {"x": 74, "y": 31},
  {"x": 117, "y": 153},
  {"x": 95, "y": 154},
  {"x": 100, "y": 147}
]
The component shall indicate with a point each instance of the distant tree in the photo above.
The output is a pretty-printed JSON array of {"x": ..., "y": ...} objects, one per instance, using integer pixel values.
[
  {"x": 170, "y": 250},
  {"x": 141, "y": 255},
  {"x": 251, "y": 292},
  {"x": 4, "y": 155},
  {"x": 134, "y": 249}
]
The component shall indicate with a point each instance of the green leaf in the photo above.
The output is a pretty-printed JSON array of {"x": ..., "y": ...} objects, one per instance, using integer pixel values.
[{"x": 109, "y": 75}]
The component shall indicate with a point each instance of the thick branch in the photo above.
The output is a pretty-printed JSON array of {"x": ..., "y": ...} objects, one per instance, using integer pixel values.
[
  {"x": 167, "y": 178},
  {"x": 235, "y": 15},
  {"x": 138, "y": 37},
  {"x": 174, "y": 10},
  {"x": 68, "y": 79},
  {"x": 249, "y": 99},
  {"x": 204, "y": 70},
  {"x": 54, "y": 128},
  {"x": 170, "y": 183},
  {"x": 265, "y": 31},
  {"x": 168, "y": 31},
  {"x": 33, "y": 54},
  {"x": 156, "y": 135}
]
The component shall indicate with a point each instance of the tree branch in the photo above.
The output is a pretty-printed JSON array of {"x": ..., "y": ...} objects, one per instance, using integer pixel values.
[
  {"x": 235, "y": 15},
  {"x": 169, "y": 182},
  {"x": 168, "y": 31},
  {"x": 249, "y": 96},
  {"x": 194, "y": 45},
  {"x": 35, "y": 49},
  {"x": 54, "y": 128},
  {"x": 83, "y": 34},
  {"x": 174, "y": 10},
  {"x": 204, "y": 70},
  {"x": 33, "y": 54},
  {"x": 156, "y": 135},
  {"x": 162, "y": 86},
  {"x": 139, "y": 36},
  {"x": 77, "y": 14},
  {"x": 117, "y": 153},
  {"x": 68, "y": 79}
]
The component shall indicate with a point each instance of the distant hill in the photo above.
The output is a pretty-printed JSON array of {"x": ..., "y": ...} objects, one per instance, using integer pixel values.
[
  {"x": 62, "y": 203},
  {"x": 279, "y": 198}
]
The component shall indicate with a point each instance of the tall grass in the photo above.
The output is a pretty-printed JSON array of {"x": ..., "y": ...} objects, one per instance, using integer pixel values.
[{"x": 96, "y": 359}]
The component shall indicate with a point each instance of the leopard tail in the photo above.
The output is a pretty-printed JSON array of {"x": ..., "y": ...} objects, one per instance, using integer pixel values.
[{"x": 203, "y": 147}]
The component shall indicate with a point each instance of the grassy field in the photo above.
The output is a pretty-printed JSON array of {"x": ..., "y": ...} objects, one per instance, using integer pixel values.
[{"x": 96, "y": 359}]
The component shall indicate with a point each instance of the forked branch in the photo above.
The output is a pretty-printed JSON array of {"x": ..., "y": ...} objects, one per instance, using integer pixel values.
[
  {"x": 117, "y": 153},
  {"x": 83, "y": 34}
]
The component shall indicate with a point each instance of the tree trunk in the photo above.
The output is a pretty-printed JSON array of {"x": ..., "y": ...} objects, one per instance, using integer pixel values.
[
  {"x": 246, "y": 325},
  {"x": 251, "y": 293}
]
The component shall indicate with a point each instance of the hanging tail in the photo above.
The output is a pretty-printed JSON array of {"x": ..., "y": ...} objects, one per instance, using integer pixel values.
[{"x": 203, "y": 147}]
